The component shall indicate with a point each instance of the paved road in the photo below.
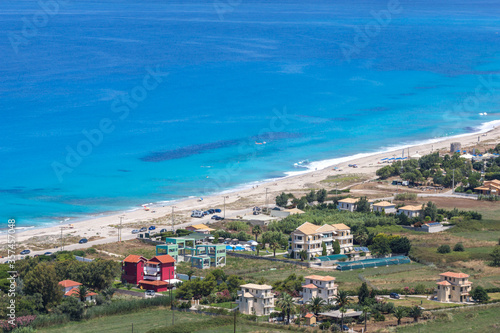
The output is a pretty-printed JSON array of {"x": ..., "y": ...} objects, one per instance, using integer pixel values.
[{"x": 127, "y": 235}]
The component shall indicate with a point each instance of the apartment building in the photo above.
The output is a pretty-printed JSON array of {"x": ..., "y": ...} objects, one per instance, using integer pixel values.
[
  {"x": 255, "y": 299},
  {"x": 310, "y": 237}
]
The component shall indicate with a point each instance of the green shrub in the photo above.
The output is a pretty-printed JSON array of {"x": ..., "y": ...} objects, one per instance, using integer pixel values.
[
  {"x": 459, "y": 247},
  {"x": 91, "y": 250},
  {"x": 444, "y": 249}
]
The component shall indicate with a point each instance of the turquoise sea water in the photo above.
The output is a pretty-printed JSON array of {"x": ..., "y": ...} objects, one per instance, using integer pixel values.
[{"x": 232, "y": 74}]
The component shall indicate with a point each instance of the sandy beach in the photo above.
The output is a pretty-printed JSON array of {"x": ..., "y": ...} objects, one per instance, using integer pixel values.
[{"x": 238, "y": 202}]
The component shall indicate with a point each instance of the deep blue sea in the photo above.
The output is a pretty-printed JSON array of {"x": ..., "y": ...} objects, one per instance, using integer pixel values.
[{"x": 178, "y": 97}]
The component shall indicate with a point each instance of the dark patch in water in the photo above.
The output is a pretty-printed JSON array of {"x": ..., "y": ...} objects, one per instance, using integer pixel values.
[
  {"x": 470, "y": 129},
  {"x": 178, "y": 153},
  {"x": 376, "y": 109},
  {"x": 123, "y": 170}
]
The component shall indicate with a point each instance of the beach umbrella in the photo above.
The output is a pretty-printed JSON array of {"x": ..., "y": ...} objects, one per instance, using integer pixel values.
[
  {"x": 384, "y": 159},
  {"x": 253, "y": 243}
]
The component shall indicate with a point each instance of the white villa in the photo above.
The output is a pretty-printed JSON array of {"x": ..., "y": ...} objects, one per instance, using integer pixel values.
[
  {"x": 319, "y": 286},
  {"x": 348, "y": 204},
  {"x": 410, "y": 211},
  {"x": 384, "y": 206},
  {"x": 255, "y": 299},
  {"x": 310, "y": 237}
]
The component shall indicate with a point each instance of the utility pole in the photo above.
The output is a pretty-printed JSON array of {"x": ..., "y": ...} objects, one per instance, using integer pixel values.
[
  {"x": 225, "y": 206},
  {"x": 453, "y": 184},
  {"x": 62, "y": 245},
  {"x": 173, "y": 228},
  {"x": 266, "y": 198},
  {"x": 120, "y": 230},
  {"x": 234, "y": 321}
]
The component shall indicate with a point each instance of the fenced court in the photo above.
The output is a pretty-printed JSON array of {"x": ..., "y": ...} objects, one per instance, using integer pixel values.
[{"x": 368, "y": 263}]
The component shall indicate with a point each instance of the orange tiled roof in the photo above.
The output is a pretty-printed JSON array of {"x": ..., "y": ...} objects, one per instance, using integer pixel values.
[
  {"x": 133, "y": 259},
  {"x": 75, "y": 292},
  {"x": 320, "y": 278},
  {"x": 309, "y": 315},
  {"x": 154, "y": 283},
  {"x": 69, "y": 283},
  {"x": 455, "y": 275},
  {"x": 444, "y": 283},
  {"x": 164, "y": 259},
  {"x": 310, "y": 286}
]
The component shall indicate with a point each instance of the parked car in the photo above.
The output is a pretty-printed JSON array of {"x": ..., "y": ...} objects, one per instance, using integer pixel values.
[
  {"x": 47, "y": 253},
  {"x": 152, "y": 227},
  {"x": 135, "y": 231},
  {"x": 83, "y": 240},
  {"x": 211, "y": 211},
  {"x": 163, "y": 230},
  {"x": 206, "y": 213},
  {"x": 150, "y": 293},
  {"x": 394, "y": 295},
  {"x": 345, "y": 328},
  {"x": 197, "y": 213},
  {"x": 143, "y": 229},
  {"x": 218, "y": 210},
  {"x": 24, "y": 252}
]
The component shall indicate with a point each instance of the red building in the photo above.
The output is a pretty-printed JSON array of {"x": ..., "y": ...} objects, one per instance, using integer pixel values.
[
  {"x": 133, "y": 269},
  {"x": 154, "y": 274}
]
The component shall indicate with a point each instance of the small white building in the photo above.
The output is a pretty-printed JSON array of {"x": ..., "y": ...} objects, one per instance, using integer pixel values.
[
  {"x": 349, "y": 204},
  {"x": 255, "y": 299},
  {"x": 410, "y": 211},
  {"x": 384, "y": 206},
  {"x": 286, "y": 212},
  {"x": 319, "y": 286}
]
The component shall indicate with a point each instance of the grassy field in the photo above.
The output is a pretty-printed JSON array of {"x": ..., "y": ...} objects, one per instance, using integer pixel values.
[
  {"x": 146, "y": 320},
  {"x": 484, "y": 320},
  {"x": 421, "y": 301},
  {"x": 225, "y": 305}
]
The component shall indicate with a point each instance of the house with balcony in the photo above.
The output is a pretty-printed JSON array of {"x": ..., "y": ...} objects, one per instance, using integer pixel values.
[
  {"x": 157, "y": 273},
  {"x": 255, "y": 299},
  {"x": 311, "y": 237},
  {"x": 410, "y": 211},
  {"x": 319, "y": 286},
  {"x": 349, "y": 204},
  {"x": 384, "y": 206},
  {"x": 453, "y": 287}
]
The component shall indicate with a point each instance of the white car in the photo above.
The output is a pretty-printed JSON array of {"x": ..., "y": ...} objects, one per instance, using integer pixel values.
[
  {"x": 135, "y": 231},
  {"x": 150, "y": 293}
]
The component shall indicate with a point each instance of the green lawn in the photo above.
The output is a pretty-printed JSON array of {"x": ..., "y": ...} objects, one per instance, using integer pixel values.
[
  {"x": 225, "y": 305},
  {"x": 142, "y": 321},
  {"x": 420, "y": 301},
  {"x": 484, "y": 320}
]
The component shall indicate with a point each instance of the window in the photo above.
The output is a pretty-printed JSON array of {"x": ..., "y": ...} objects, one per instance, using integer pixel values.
[{"x": 453, "y": 288}]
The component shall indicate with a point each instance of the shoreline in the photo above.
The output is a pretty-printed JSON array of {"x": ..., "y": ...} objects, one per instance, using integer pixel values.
[{"x": 255, "y": 191}]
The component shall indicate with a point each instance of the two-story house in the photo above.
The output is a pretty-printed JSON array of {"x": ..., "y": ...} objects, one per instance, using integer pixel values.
[
  {"x": 311, "y": 237},
  {"x": 349, "y": 204},
  {"x": 384, "y": 206},
  {"x": 155, "y": 274},
  {"x": 410, "y": 211},
  {"x": 453, "y": 287},
  {"x": 255, "y": 299},
  {"x": 319, "y": 286}
]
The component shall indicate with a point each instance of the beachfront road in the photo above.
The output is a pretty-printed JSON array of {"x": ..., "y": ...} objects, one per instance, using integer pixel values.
[{"x": 127, "y": 235}]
